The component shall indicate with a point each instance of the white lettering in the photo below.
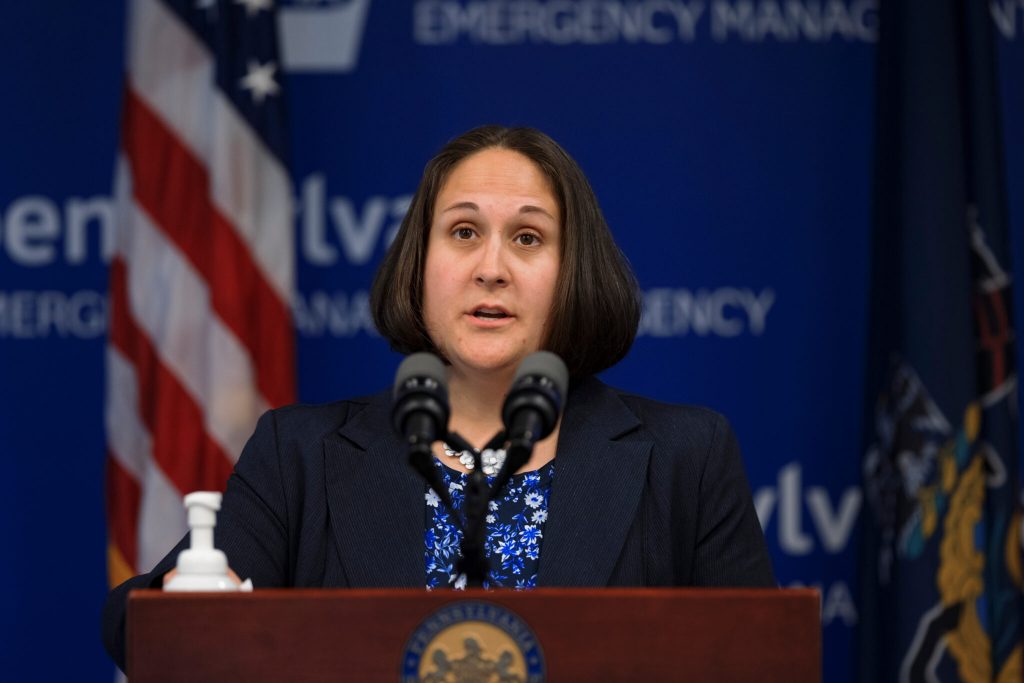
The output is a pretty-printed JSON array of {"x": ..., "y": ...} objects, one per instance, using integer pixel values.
[
  {"x": 560, "y": 30},
  {"x": 49, "y": 310},
  {"x": 771, "y": 23},
  {"x": 836, "y": 602},
  {"x": 653, "y": 31},
  {"x": 359, "y": 233},
  {"x": 806, "y": 18},
  {"x": 315, "y": 248},
  {"x": 722, "y": 312},
  {"x": 792, "y": 538},
  {"x": 739, "y": 18},
  {"x": 27, "y": 314},
  {"x": 359, "y": 237},
  {"x": 79, "y": 214},
  {"x": 726, "y": 326},
  {"x": 836, "y": 20},
  {"x": 757, "y": 307},
  {"x": 429, "y": 26},
  {"x": 399, "y": 207},
  {"x": 556, "y": 22},
  {"x": 864, "y": 14},
  {"x": 32, "y": 227},
  {"x": 15, "y": 315},
  {"x": 335, "y": 314},
  {"x": 687, "y": 16},
  {"x": 792, "y": 20},
  {"x": 88, "y": 314},
  {"x": 597, "y": 23},
  {"x": 832, "y": 525}
]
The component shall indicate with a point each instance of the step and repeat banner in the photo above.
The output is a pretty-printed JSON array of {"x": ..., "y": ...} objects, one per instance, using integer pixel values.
[{"x": 729, "y": 142}]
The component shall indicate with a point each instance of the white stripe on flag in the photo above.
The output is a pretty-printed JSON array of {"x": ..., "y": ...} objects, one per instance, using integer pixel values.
[
  {"x": 172, "y": 72},
  {"x": 170, "y": 301},
  {"x": 174, "y": 76},
  {"x": 128, "y": 439},
  {"x": 161, "y": 521}
]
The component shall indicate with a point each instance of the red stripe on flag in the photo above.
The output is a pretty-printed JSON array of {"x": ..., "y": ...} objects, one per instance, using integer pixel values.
[
  {"x": 173, "y": 187},
  {"x": 123, "y": 499},
  {"x": 181, "y": 446}
]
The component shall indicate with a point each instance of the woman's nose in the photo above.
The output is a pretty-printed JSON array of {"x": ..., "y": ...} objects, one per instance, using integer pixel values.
[{"x": 492, "y": 267}]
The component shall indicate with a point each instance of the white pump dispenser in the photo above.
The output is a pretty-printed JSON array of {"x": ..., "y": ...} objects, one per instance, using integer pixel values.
[{"x": 202, "y": 567}]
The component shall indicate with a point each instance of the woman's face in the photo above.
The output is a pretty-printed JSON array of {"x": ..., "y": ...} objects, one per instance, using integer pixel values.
[{"x": 493, "y": 255}]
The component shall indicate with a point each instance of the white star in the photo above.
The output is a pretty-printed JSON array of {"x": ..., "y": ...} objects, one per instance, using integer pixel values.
[
  {"x": 254, "y": 6},
  {"x": 260, "y": 80}
]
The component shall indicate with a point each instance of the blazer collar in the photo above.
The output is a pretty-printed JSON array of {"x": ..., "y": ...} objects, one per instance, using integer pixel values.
[
  {"x": 596, "y": 489},
  {"x": 376, "y": 500}
]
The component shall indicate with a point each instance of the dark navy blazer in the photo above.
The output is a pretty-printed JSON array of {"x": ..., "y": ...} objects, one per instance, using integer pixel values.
[{"x": 646, "y": 494}]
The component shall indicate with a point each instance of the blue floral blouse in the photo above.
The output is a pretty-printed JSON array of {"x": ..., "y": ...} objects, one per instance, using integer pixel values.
[{"x": 515, "y": 527}]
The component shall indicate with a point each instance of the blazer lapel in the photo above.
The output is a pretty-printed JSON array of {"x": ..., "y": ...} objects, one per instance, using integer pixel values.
[
  {"x": 375, "y": 501},
  {"x": 596, "y": 489}
]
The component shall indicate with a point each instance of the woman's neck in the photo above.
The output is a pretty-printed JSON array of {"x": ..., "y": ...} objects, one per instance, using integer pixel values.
[
  {"x": 476, "y": 406},
  {"x": 476, "y": 415}
]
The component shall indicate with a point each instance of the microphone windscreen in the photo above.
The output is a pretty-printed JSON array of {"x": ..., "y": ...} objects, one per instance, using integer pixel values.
[
  {"x": 421, "y": 365},
  {"x": 545, "y": 364}
]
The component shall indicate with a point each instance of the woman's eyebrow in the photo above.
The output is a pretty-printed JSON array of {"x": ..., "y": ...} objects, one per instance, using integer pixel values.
[
  {"x": 462, "y": 205},
  {"x": 529, "y": 208},
  {"x": 526, "y": 208}
]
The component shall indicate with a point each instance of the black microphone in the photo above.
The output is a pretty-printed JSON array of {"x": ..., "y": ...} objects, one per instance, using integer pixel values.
[
  {"x": 531, "y": 409},
  {"x": 420, "y": 414}
]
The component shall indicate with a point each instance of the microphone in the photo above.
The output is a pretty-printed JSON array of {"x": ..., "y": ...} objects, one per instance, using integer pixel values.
[
  {"x": 531, "y": 409},
  {"x": 420, "y": 412}
]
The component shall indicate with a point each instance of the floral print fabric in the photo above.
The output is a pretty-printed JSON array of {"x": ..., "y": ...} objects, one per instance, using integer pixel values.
[{"x": 515, "y": 528}]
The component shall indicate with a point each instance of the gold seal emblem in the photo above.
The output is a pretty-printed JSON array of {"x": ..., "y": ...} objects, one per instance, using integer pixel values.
[{"x": 473, "y": 642}]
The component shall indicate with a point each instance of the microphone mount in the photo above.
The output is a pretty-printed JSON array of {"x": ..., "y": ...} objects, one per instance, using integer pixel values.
[
  {"x": 530, "y": 412},
  {"x": 474, "y": 563}
]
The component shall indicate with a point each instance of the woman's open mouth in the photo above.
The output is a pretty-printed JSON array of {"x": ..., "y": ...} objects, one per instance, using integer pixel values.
[{"x": 490, "y": 313}]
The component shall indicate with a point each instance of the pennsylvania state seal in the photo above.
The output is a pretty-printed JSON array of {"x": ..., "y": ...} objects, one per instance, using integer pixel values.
[{"x": 473, "y": 642}]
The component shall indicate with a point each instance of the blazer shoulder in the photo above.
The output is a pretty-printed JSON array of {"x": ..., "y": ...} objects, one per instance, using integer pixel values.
[
  {"x": 672, "y": 419},
  {"x": 318, "y": 420}
]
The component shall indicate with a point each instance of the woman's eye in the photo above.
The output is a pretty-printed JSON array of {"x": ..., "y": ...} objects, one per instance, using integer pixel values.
[
  {"x": 527, "y": 239},
  {"x": 464, "y": 233}
]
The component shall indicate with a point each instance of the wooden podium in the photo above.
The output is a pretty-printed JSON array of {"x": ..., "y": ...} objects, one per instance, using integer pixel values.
[{"x": 706, "y": 635}]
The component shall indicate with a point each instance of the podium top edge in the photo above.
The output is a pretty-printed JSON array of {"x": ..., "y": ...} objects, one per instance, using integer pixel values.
[{"x": 689, "y": 593}]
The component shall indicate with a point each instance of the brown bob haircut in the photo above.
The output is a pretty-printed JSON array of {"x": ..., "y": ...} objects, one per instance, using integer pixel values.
[{"x": 596, "y": 307}]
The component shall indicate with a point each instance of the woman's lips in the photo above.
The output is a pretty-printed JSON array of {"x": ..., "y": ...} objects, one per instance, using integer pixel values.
[{"x": 489, "y": 317}]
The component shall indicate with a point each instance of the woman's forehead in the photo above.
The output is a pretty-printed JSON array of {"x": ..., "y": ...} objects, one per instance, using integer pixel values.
[{"x": 496, "y": 174}]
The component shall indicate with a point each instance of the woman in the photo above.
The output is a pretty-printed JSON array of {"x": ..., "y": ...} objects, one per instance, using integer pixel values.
[{"x": 504, "y": 251}]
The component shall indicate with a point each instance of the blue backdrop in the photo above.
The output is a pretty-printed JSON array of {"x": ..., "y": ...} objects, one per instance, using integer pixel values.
[{"x": 729, "y": 141}]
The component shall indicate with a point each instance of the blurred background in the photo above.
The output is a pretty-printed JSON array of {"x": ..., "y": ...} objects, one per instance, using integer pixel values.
[{"x": 730, "y": 142}]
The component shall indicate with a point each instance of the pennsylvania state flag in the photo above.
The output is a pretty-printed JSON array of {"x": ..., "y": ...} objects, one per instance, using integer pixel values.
[{"x": 941, "y": 585}]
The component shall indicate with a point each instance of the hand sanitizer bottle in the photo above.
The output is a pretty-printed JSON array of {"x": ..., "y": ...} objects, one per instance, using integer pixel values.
[{"x": 202, "y": 567}]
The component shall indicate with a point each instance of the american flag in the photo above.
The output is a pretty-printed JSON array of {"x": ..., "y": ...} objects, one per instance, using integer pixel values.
[{"x": 201, "y": 338}]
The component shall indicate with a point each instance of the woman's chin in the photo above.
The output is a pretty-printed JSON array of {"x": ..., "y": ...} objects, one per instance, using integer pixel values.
[{"x": 487, "y": 362}]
